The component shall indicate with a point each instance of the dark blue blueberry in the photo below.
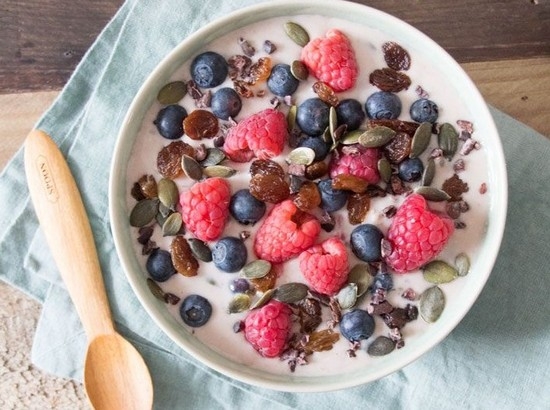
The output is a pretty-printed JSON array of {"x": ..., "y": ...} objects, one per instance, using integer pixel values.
[
  {"x": 331, "y": 199},
  {"x": 411, "y": 169},
  {"x": 169, "y": 121},
  {"x": 281, "y": 82},
  {"x": 350, "y": 112},
  {"x": 382, "y": 281},
  {"x": 383, "y": 105},
  {"x": 195, "y": 310},
  {"x": 229, "y": 254},
  {"x": 366, "y": 242},
  {"x": 313, "y": 116},
  {"x": 318, "y": 145},
  {"x": 245, "y": 208},
  {"x": 356, "y": 325},
  {"x": 424, "y": 110},
  {"x": 239, "y": 285},
  {"x": 159, "y": 265},
  {"x": 226, "y": 103},
  {"x": 209, "y": 69}
]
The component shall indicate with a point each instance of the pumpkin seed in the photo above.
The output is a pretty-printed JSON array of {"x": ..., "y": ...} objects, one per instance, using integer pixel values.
[
  {"x": 299, "y": 70},
  {"x": 296, "y": 33},
  {"x": 200, "y": 250},
  {"x": 266, "y": 297},
  {"x": 462, "y": 262},
  {"x": 381, "y": 346},
  {"x": 172, "y": 93},
  {"x": 301, "y": 156},
  {"x": 164, "y": 211},
  {"x": 144, "y": 212},
  {"x": 155, "y": 289},
  {"x": 239, "y": 303},
  {"x": 376, "y": 137},
  {"x": 172, "y": 225},
  {"x": 421, "y": 139},
  {"x": 431, "y": 304},
  {"x": 291, "y": 117},
  {"x": 361, "y": 276},
  {"x": 291, "y": 292},
  {"x": 191, "y": 167},
  {"x": 384, "y": 169},
  {"x": 332, "y": 121},
  {"x": 429, "y": 173},
  {"x": 439, "y": 272},
  {"x": 168, "y": 193},
  {"x": 448, "y": 140},
  {"x": 352, "y": 137},
  {"x": 221, "y": 171},
  {"x": 347, "y": 296},
  {"x": 432, "y": 194},
  {"x": 256, "y": 269},
  {"x": 213, "y": 157}
]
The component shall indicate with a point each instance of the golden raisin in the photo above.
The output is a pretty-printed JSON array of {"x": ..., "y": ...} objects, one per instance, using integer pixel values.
[
  {"x": 169, "y": 158},
  {"x": 182, "y": 257},
  {"x": 201, "y": 124},
  {"x": 266, "y": 282},
  {"x": 260, "y": 70},
  {"x": 266, "y": 167},
  {"x": 269, "y": 188},
  {"x": 325, "y": 93},
  {"x": 308, "y": 197},
  {"x": 398, "y": 148},
  {"x": 349, "y": 182},
  {"x": 358, "y": 205}
]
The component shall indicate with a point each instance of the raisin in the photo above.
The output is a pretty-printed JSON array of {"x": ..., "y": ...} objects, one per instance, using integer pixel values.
[
  {"x": 398, "y": 148},
  {"x": 266, "y": 282},
  {"x": 201, "y": 124},
  {"x": 358, "y": 205},
  {"x": 387, "y": 79},
  {"x": 260, "y": 70},
  {"x": 308, "y": 197},
  {"x": 169, "y": 158},
  {"x": 316, "y": 170},
  {"x": 325, "y": 93},
  {"x": 408, "y": 127},
  {"x": 182, "y": 257},
  {"x": 266, "y": 167},
  {"x": 396, "y": 57},
  {"x": 148, "y": 186},
  {"x": 269, "y": 188},
  {"x": 349, "y": 182}
]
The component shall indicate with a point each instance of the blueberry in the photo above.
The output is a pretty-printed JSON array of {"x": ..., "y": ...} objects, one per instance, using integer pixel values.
[
  {"x": 383, "y": 105},
  {"x": 195, "y": 310},
  {"x": 245, "y": 208},
  {"x": 356, "y": 325},
  {"x": 229, "y": 254},
  {"x": 366, "y": 242},
  {"x": 411, "y": 169},
  {"x": 209, "y": 69},
  {"x": 313, "y": 116},
  {"x": 424, "y": 110},
  {"x": 382, "y": 281},
  {"x": 169, "y": 121},
  {"x": 318, "y": 145},
  {"x": 281, "y": 82},
  {"x": 350, "y": 112},
  {"x": 226, "y": 103},
  {"x": 159, "y": 265},
  {"x": 239, "y": 285},
  {"x": 331, "y": 199}
]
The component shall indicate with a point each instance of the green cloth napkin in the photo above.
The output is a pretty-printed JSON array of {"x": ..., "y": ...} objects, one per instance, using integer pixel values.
[{"x": 497, "y": 357}]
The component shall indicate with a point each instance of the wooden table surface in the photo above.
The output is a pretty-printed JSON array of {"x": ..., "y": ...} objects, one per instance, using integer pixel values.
[{"x": 504, "y": 45}]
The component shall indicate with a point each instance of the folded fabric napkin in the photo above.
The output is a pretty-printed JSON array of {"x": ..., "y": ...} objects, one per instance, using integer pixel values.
[{"x": 497, "y": 357}]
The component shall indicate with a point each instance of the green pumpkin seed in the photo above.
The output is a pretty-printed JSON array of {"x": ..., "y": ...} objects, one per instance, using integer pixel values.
[
  {"x": 376, "y": 137},
  {"x": 172, "y": 225},
  {"x": 168, "y": 193},
  {"x": 220, "y": 171},
  {"x": 164, "y": 211},
  {"x": 437, "y": 272},
  {"x": 431, "y": 304},
  {"x": 266, "y": 297},
  {"x": 191, "y": 167},
  {"x": 301, "y": 156},
  {"x": 421, "y": 139},
  {"x": 291, "y": 292},
  {"x": 429, "y": 173},
  {"x": 361, "y": 276},
  {"x": 381, "y": 346},
  {"x": 296, "y": 33},
  {"x": 172, "y": 92},
  {"x": 432, "y": 194},
  {"x": 352, "y": 137},
  {"x": 256, "y": 269},
  {"x": 155, "y": 289},
  {"x": 332, "y": 121},
  {"x": 214, "y": 156},
  {"x": 347, "y": 296},
  {"x": 448, "y": 140},
  {"x": 291, "y": 117},
  {"x": 299, "y": 70},
  {"x": 144, "y": 212},
  {"x": 462, "y": 262},
  {"x": 239, "y": 303},
  {"x": 200, "y": 250},
  {"x": 384, "y": 169}
]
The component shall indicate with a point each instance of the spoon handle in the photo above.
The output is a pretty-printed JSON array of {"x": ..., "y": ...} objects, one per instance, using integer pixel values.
[{"x": 63, "y": 219}]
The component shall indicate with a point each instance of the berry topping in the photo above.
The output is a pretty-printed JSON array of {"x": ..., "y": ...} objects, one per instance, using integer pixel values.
[
  {"x": 205, "y": 208},
  {"x": 358, "y": 161},
  {"x": 169, "y": 121},
  {"x": 267, "y": 329},
  {"x": 281, "y": 82},
  {"x": 226, "y": 103},
  {"x": 318, "y": 145},
  {"x": 331, "y": 59},
  {"x": 245, "y": 208},
  {"x": 195, "y": 310},
  {"x": 159, "y": 265},
  {"x": 313, "y": 116},
  {"x": 331, "y": 199},
  {"x": 356, "y": 325},
  {"x": 350, "y": 112},
  {"x": 325, "y": 266},
  {"x": 366, "y": 242},
  {"x": 383, "y": 105},
  {"x": 229, "y": 254},
  {"x": 209, "y": 69},
  {"x": 424, "y": 110},
  {"x": 411, "y": 169},
  {"x": 285, "y": 233},
  {"x": 416, "y": 234}
]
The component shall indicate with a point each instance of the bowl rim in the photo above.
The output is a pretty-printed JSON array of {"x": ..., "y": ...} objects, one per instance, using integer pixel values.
[{"x": 118, "y": 187}]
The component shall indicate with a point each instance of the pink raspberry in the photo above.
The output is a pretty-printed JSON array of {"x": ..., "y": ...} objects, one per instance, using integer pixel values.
[
  {"x": 356, "y": 160},
  {"x": 285, "y": 232},
  {"x": 267, "y": 329},
  {"x": 331, "y": 59},
  {"x": 261, "y": 135},
  {"x": 325, "y": 266},
  {"x": 417, "y": 235},
  {"x": 205, "y": 208}
]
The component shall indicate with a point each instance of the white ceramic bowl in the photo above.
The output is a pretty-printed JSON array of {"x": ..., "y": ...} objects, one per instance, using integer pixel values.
[{"x": 409, "y": 38}]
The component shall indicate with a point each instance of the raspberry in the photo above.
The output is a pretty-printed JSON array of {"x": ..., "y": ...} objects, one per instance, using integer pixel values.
[
  {"x": 325, "y": 266},
  {"x": 417, "y": 235},
  {"x": 261, "y": 135},
  {"x": 205, "y": 208},
  {"x": 267, "y": 329},
  {"x": 285, "y": 233},
  {"x": 357, "y": 160},
  {"x": 331, "y": 59}
]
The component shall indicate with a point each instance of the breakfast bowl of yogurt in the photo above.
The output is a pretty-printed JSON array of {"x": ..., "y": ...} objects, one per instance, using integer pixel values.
[{"x": 308, "y": 196}]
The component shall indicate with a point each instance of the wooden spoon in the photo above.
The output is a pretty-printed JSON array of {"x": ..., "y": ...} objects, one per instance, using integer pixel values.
[{"x": 115, "y": 375}]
